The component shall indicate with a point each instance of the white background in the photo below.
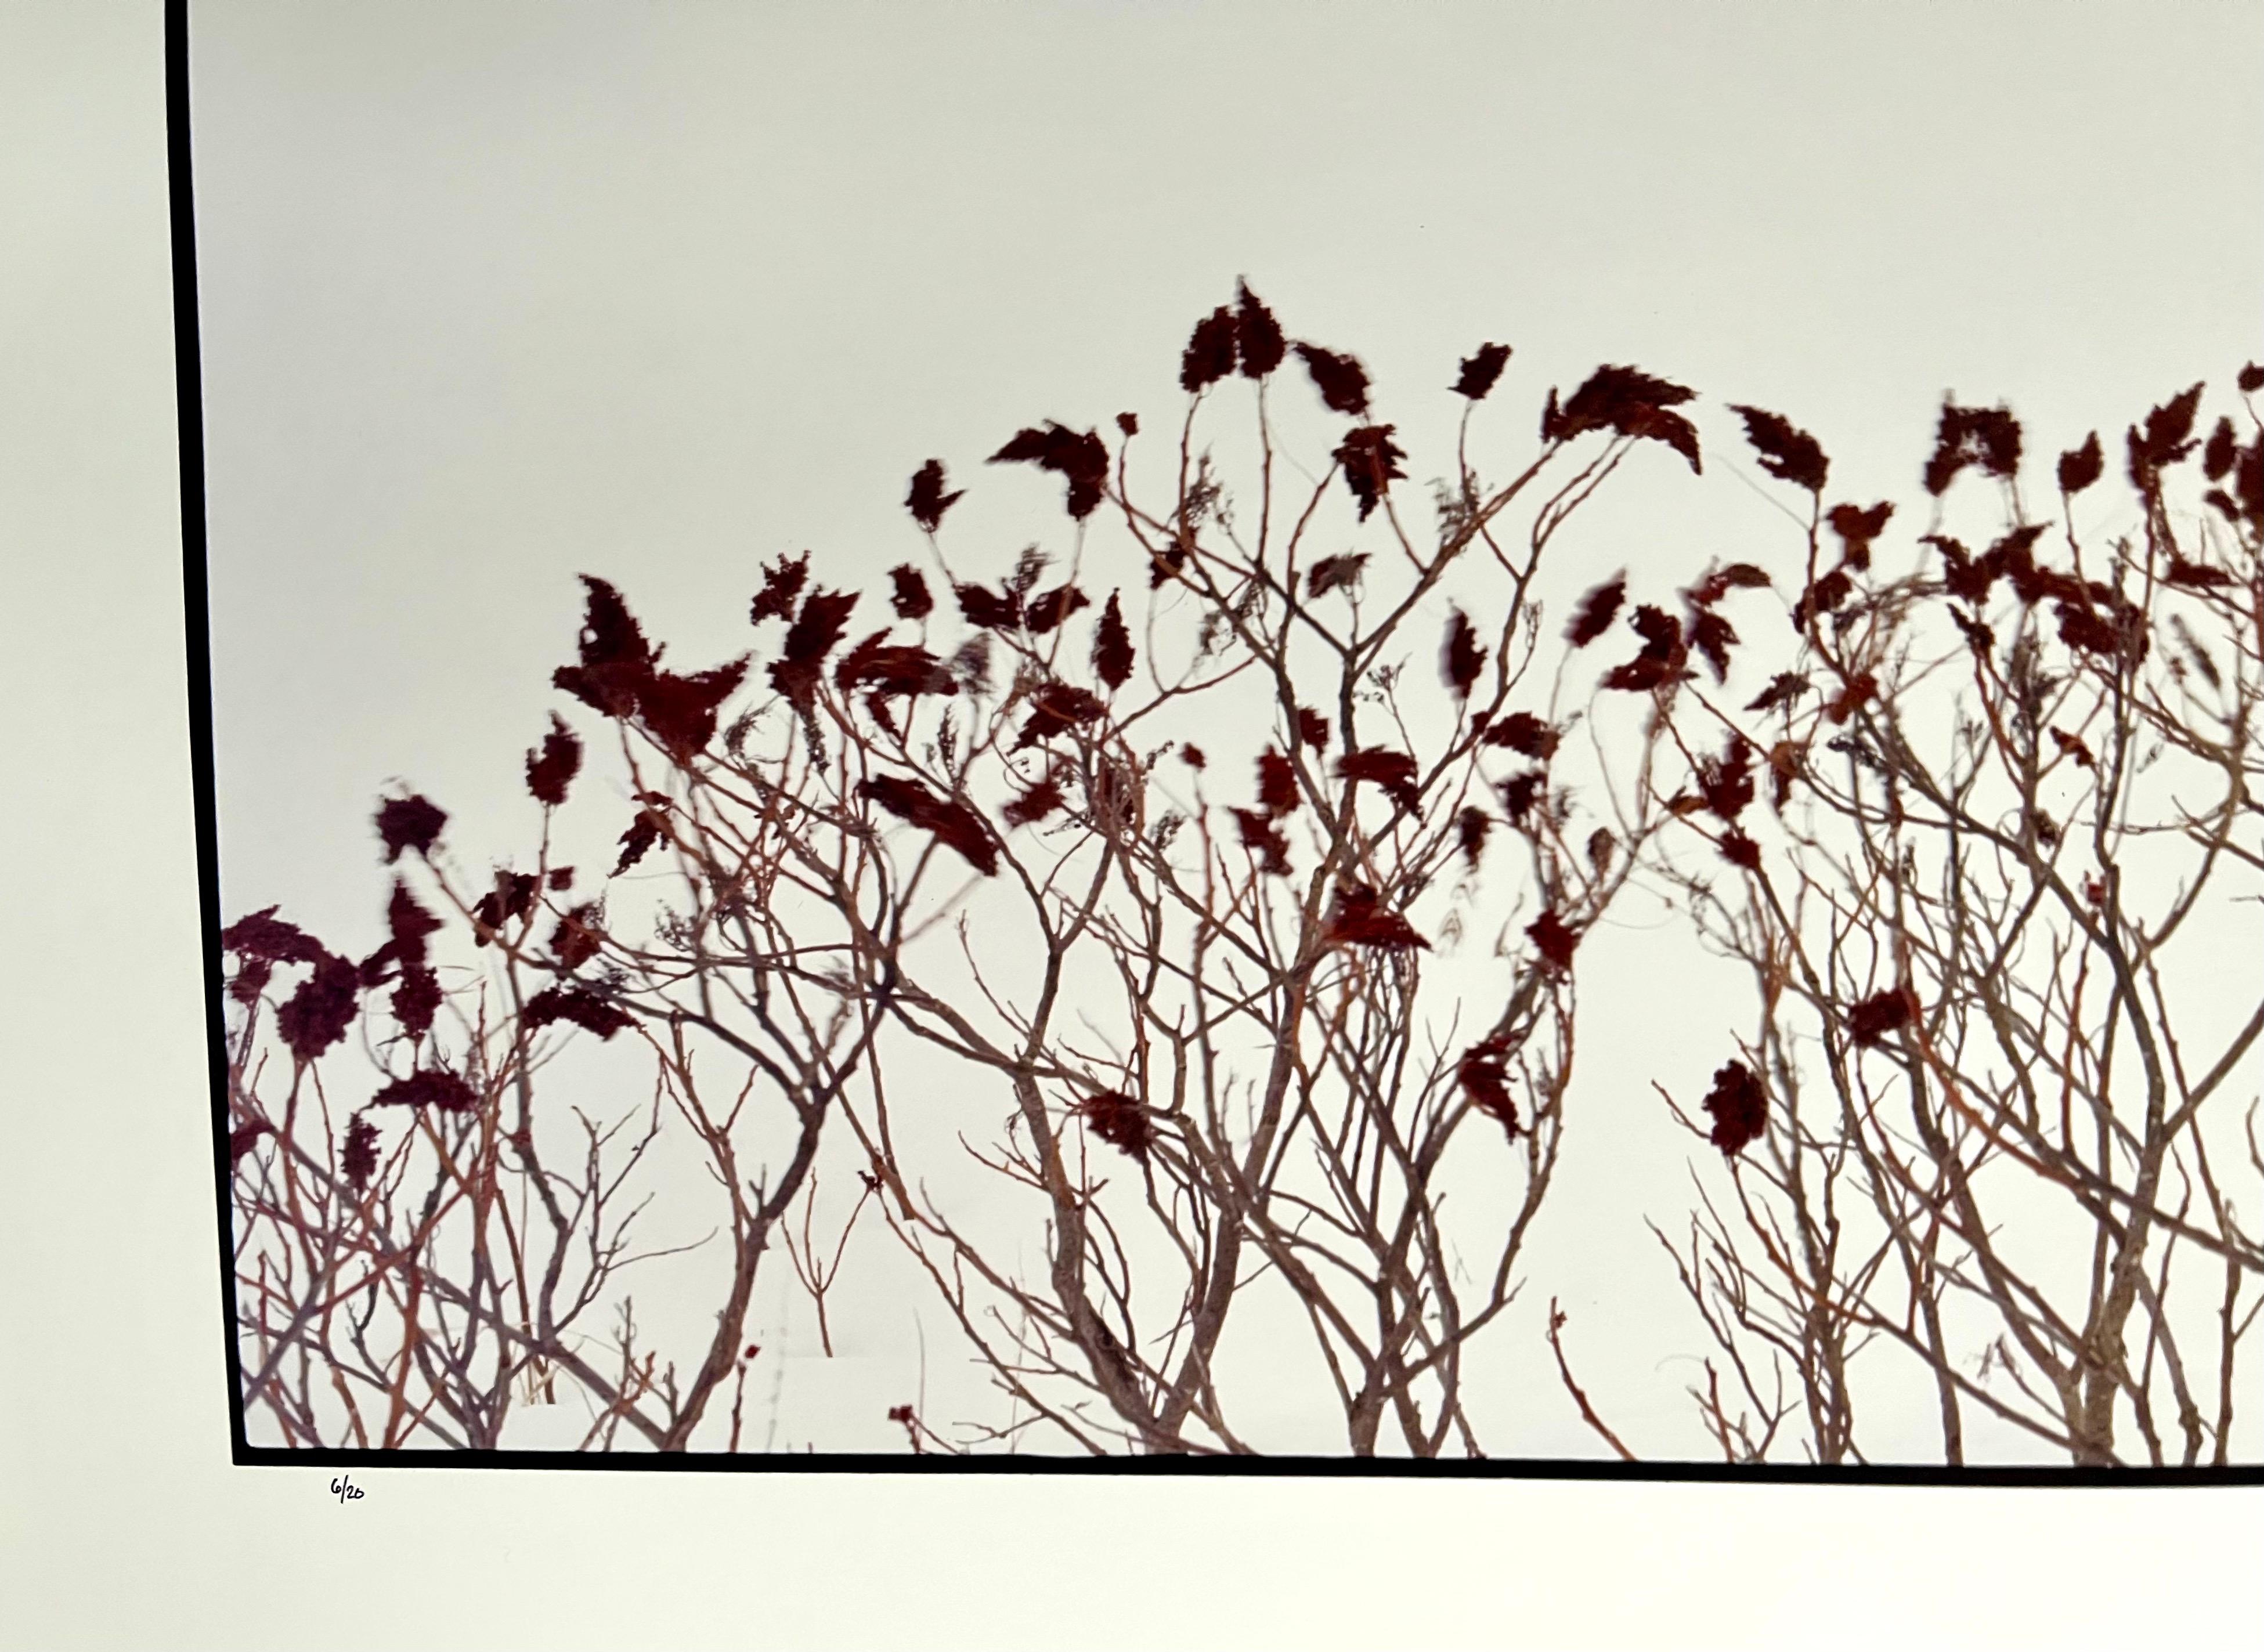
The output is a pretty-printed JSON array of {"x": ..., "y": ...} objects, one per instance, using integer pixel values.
[{"x": 1840, "y": 217}]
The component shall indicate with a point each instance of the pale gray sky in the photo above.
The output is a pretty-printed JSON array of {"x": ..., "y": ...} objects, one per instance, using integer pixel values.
[{"x": 495, "y": 295}]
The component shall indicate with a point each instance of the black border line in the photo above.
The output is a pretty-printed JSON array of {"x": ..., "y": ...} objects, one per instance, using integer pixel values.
[
  {"x": 1259, "y": 1468},
  {"x": 189, "y": 377},
  {"x": 196, "y": 630}
]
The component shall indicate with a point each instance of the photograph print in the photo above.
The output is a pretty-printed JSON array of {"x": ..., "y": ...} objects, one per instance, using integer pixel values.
[{"x": 1487, "y": 739}]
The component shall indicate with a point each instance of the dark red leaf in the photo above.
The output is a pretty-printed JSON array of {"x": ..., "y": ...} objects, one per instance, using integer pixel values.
[
  {"x": 1713, "y": 636},
  {"x": 1554, "y": 940},
  {"x": 1257, "y": 335},
  {"x": 782, "y": 584},
  {"x": 358, "y": 1161},
  {"x": 1470, "y": 828},
  {"x": 2014, "y": 557},
  {"x": 1333, "y": 573},
  {"x": 1660, "y": 631},
  {"x": 2080, "y": 467},
  {"x": 1857, "y": 529},
  {"x": 1358, "y": 919},
  {"x": 1964, "y": 576},
  {"x": 1784, "y": 688},
  {"x": 417, "y": 999},
  {"x": 408, "y": 823},
  {"x": 1629, "y": 402},
  {"x": 1676, "y": 431},
  {"x": 1460, "y": 657},
  {"x": 1120, "y": 1120},
  {"x": 1614, "y": 396},
  {"x": 1723, "y": 581},
  {"x": 408, "y": 924},
  {"x": 262, "y": 935},
  {"x": 1825, "y": 596},
  {"x": 1112, "y": 646},
  {"x": 1859, "y": 691},
  {"x": 1049, "y": 610},
  {"x": 993, "y": 610},
  {"x": 1979, "y": 637},
  {"x": 876, "y": 708},
  {"x": 615, "y": 658},
  {"x": 680, "y": 712},
  {"x": 2196, "y": 575},
  {"x": 1128, "y": 422},
  {"x": 434, "y": 1087},
  {"x": 1164, "y": 564},
  {"x": 1192, "y": 755},
  {"x": 2251, "y": 380},
  {"x": 1523, "y": 732},
  {"x": 1035, "y": 804},
  {"x": 952, "y": 823},
  {"x": 1784, "y": 768},
  {"x": 1371, "y": 460},
  {"x": 1726, "y": 782},
  {"x": 1484, "y": 1074},
  {"x": 643, "y": 833},
  {"x": 1081, "y": 459},
  {"x": 1209, "y": 354},
  {"x": 2072, "y": 746},
  {"x": 1312, "y": 729},
  {"x": 552, "y": 769},
  {"x": 2080, "y": 627},
  {"x": 1640, "y": 675},
  {"x": 911, "y": 600},
  {"x": 1662, "y": 654},
  {"x": 1596, "y": 612},
  {"x": 575, "y": 941},
  {"x": 1058, "y": 707},
  {"x": 1870, "y": 1021},
  {"x": 2216, "y": 458},
  {"x": 584, "y": 1010},
  {"x": 894, "y": 669},
  {"x": 1277, "y": 784},
  {"x": 250, "y": 980},
  {"x": 244, "y": 1138},
  {"x": 1986, "y": 437},
  {"x": 1786, "y": 452},
  {"x": 512, "y": 898},
  {"x": 1482, "y": 371},
  {"x": 318, "y": 1014},
  {"x": 927, "y": 501},
  {"x": 1341, "y": 380},
  {"x": 1392, "y": 771},
  {"x": 824, "y": 616},
  {"x": 1519, "y": 793},
  {"x": 1740, "y": 851},
  {"x": 1264, "y": 838},
  {"x": 1739, "y": 1107},
  {"x": 2164, "y": 440}
]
